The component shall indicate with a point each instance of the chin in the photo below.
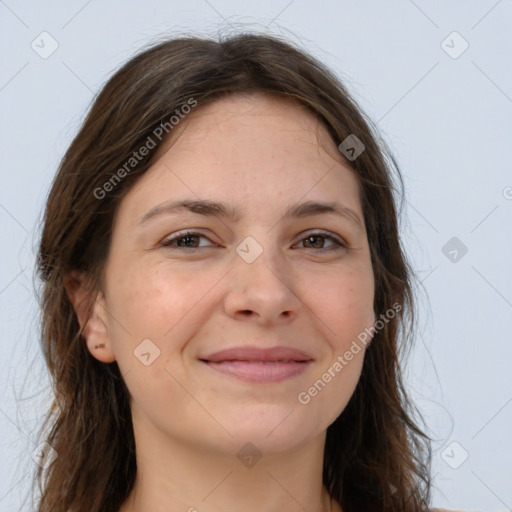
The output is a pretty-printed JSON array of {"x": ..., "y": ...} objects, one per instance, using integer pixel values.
[{"x": 273, "y": 431}]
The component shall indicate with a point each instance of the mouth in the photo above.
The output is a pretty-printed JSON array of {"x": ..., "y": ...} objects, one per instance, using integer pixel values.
[
  {"x": 259, "y": 371},
  {"x": 254, "y": 364}
]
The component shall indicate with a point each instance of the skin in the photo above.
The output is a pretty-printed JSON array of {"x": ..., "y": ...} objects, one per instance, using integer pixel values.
[{"x": 261, "y": 155}]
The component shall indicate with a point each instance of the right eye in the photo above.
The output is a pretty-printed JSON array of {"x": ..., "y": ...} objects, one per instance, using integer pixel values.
[{"x": 184, "y": 240}]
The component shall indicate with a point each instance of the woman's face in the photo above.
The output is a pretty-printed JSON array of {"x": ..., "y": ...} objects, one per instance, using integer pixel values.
[{"x": 273, "y": 274}]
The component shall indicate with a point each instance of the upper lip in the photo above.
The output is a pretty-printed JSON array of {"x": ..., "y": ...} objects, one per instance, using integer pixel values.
[{"x": 252, "y": 353}]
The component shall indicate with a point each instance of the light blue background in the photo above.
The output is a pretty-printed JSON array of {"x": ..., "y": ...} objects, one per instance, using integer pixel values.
[{"x": 448, "y": 121}]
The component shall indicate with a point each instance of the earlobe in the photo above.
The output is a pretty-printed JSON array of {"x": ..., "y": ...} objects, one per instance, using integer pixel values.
[
  {"x": 96, "y": 332},
  {"x": 92, "y": 318}
]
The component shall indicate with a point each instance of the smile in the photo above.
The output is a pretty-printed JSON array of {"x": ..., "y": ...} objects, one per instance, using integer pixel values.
[{"x": 259, "y": 371}]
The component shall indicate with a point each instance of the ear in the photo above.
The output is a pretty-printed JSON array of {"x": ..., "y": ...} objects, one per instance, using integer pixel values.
[{"x": 93, "y": 322}]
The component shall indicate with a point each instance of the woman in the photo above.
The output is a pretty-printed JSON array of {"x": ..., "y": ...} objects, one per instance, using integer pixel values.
[{"x": 225, "y": 296}]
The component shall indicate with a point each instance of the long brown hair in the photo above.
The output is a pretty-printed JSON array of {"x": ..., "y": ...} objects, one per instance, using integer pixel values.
[{"x": 376, "y": 456}]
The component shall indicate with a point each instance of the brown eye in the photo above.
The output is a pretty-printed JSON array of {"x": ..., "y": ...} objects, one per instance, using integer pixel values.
[
  {"x": 317, "y": 241},
  {"x": 184, "y": 240},
  {"x": 188, "y": 241}
]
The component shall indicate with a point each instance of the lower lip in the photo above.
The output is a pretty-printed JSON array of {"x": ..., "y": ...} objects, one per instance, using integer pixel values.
[{"x": 259, "y": 371}]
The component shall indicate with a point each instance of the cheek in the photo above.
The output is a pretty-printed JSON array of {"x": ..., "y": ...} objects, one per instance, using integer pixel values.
[
  {"x": 155, "y": 303},
  {"x": 155, "y": 311},
  {"x": 343, "y": 302},
  {"x": 148, "y": 298}
]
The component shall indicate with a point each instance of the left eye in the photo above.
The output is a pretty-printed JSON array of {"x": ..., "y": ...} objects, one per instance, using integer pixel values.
[{"x": 314, "y": 238}]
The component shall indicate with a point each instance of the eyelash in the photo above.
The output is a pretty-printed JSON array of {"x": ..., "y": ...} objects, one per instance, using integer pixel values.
[{"x": 167, "y": 243}]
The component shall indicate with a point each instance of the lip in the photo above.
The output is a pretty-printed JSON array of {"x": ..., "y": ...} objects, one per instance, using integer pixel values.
[
  {"x": 257, "y": 371},
  {"x": 253, "y": 364},
  {"x": 255, "y": 354}
]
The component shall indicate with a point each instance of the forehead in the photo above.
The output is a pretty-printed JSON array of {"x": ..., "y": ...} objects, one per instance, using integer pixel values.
[
  {"x": 248, "y": 150},
  {"x": 249, "y": 117}
]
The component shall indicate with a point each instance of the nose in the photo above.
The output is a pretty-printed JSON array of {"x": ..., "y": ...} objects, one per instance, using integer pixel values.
[{"x": 262, "y": 291}]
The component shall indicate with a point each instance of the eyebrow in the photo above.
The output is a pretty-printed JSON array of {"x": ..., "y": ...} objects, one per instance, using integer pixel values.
[{"x": 218, "y": 209}]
